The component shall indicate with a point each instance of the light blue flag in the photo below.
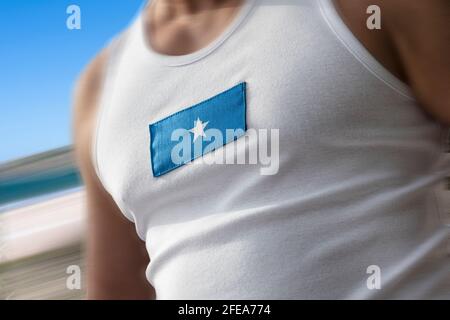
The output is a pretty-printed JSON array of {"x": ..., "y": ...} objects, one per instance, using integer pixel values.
[{"x": 197, "y": 130}]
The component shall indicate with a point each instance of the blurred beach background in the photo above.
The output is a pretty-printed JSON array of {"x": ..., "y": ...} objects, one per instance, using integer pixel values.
[{"x": 41, "y": 194}]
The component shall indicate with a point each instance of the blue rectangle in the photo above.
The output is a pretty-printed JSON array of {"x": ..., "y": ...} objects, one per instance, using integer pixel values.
[{"x": 197, "y": 130}]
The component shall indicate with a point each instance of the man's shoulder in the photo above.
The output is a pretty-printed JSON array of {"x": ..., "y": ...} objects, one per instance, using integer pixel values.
[
  {"x": 89, "y": 84},
  {"x": 85, "y": 104},
  {"x": 396, "y": 12},
  {"x": 90, "y": 81}
]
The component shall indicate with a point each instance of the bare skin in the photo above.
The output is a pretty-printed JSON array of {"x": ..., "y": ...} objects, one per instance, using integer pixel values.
[
  {"x": 116, "y": 256},
  {"x": 414, "y": 44},
  {"x": 182, "y": 27}
]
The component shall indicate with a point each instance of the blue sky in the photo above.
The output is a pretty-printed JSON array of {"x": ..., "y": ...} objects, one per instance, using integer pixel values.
[{"x": 40, "y": 60}]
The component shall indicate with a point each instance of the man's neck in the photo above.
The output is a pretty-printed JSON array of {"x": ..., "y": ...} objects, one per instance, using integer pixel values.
[
  {"x": 177, "y": 27},
  {"x": 188, "y": 7}
]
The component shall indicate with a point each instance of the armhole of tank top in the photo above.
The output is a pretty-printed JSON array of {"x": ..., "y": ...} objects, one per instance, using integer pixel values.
[
  {"x": 114, "y": 48},
  {"x": 107, "y": 75},
  {"x": 357, "y": 49}
]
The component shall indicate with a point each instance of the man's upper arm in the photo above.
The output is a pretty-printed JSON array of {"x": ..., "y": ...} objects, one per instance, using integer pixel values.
[
  {"x": 420, "y": 32},
  {"x": 116, "y": 257}
]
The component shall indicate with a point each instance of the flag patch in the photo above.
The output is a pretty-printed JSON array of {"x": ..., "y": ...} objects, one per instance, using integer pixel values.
[{"x": 190, "y": 133}]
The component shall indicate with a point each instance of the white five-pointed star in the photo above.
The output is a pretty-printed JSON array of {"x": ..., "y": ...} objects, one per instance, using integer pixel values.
[{"x": 198, "y": 129}]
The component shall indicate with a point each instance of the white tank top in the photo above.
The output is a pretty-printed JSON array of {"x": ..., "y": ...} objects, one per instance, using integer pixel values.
[{"x": 352, "y": 211}]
